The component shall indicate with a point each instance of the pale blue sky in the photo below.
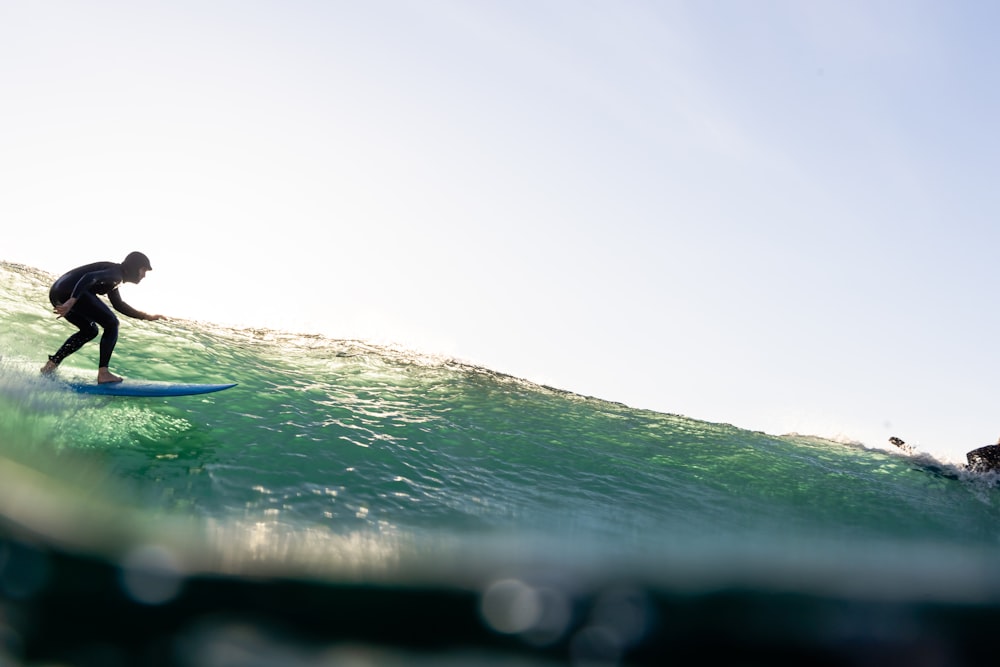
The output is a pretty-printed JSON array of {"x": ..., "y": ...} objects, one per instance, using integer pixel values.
[{"x": 774, "y": 214}]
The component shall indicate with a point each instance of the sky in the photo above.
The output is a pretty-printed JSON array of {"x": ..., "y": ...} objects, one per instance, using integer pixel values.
[{"x": 779, "y": 215}]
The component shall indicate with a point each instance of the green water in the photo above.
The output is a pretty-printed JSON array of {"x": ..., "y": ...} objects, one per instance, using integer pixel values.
[{"x": 341, "y": 456}]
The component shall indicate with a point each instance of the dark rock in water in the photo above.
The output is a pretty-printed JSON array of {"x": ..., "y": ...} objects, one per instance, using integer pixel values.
[{"x": 984, "y": 459}]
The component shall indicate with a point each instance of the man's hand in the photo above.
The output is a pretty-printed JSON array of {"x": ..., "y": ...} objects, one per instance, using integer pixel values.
[
  {"x": 64, "y": 307},
  {"x": 156, "y": 317}
]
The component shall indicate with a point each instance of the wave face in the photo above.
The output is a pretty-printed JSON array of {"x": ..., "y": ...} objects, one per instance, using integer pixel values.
[{"x": 343, "y": 460}]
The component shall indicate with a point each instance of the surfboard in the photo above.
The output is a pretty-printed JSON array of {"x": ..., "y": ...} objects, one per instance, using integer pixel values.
[{"x": 146, "y": 388}]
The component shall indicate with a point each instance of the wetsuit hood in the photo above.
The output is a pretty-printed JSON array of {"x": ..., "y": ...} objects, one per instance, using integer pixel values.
[{"x": 133, "y": 262}]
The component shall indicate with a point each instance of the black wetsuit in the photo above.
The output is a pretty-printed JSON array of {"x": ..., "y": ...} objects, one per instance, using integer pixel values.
[{"x": 85, "y": 283}]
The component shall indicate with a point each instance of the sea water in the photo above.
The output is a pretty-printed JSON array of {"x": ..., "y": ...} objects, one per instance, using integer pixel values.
[{"x": 341, "y": 463}]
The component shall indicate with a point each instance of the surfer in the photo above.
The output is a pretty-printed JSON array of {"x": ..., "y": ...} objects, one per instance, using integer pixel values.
[
  {"x": 983, "y": 459},
  {"x": 74, "y": 296}
]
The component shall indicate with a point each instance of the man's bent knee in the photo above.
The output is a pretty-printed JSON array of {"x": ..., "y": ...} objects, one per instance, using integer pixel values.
[{"x": 90, "y": 332}]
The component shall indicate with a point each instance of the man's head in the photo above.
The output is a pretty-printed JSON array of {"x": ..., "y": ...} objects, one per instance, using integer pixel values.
[{"x": 135, "y": 266}]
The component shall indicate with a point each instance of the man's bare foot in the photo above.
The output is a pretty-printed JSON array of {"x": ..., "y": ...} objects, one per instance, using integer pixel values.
[
  {"x": 49, "y": 368},
  {"x": 104, "y": 376}
]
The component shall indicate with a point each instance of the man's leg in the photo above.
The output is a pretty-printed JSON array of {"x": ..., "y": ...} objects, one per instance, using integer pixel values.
[
  {"x": 109, "y": 322},
  {"x": 87, "y": 332},
  {"x": 88, "y": 312}
]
